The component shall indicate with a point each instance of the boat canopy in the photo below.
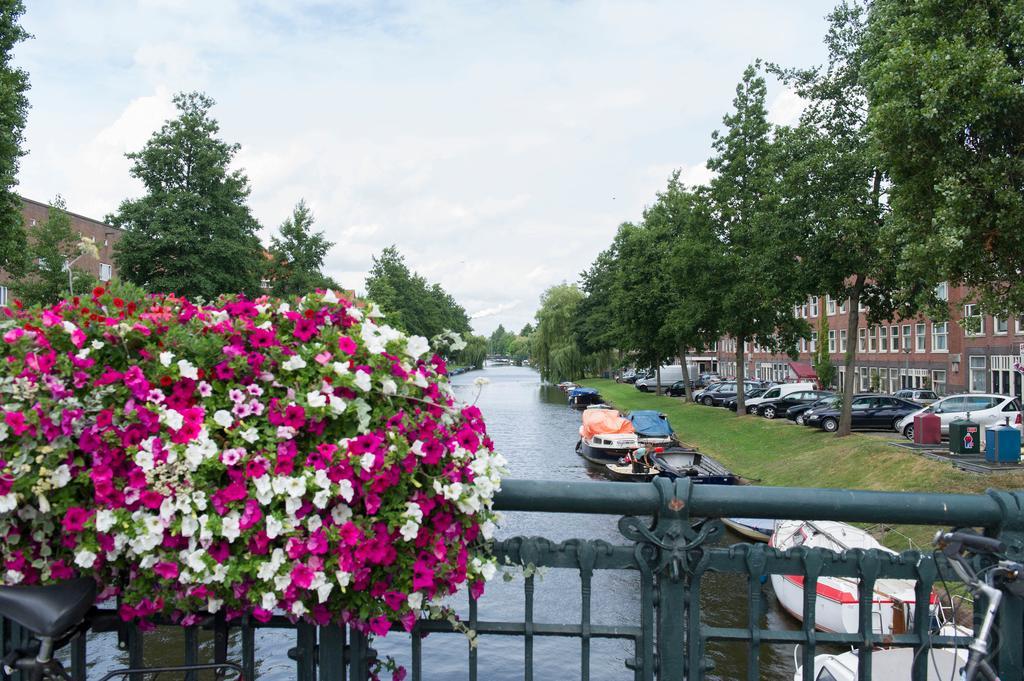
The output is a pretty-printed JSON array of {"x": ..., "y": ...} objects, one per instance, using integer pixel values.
[
  {"x": 576, "y": 392},
  {"x": 604, "y": 422},
  {"x": 650, "y": 423}
]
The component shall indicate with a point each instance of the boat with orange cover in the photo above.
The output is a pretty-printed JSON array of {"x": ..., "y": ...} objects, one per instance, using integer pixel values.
[{"x": 605, "y": 436}]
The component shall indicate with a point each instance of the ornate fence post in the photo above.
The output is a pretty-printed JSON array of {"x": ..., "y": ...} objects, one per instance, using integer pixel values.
[
  {"x": 1011, "y": 612},
  {"x": 665, "y": 549}
]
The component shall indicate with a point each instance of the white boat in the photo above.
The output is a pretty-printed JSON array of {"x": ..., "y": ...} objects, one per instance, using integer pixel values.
[
  {"x": 836, "y": 608},
  {"x": 755, "y": 529},
  {"x": 605, "y": 437},
  {"x": 892, "y": 663}
]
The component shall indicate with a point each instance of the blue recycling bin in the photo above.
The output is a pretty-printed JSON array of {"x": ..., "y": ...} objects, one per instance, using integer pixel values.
[{"x": 1002, "y": 444}]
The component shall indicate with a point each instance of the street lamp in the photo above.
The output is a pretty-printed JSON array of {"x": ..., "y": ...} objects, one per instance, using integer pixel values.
[{"x": 86, "y": 246}]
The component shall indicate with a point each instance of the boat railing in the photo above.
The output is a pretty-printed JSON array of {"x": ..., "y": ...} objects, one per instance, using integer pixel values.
[{"x": 672, "y": 543}]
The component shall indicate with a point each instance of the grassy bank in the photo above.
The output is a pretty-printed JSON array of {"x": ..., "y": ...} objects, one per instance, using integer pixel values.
[{"x": 779, "y": 453}]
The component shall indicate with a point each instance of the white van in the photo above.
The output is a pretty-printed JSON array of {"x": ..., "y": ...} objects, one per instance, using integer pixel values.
[
  {"x": 778, "y": 392},
  {"x": 670, "y": 373}
]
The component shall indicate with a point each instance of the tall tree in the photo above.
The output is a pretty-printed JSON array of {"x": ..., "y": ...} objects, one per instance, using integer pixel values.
[
  {"x": 53, "y": 249},
  {"x": 833, "y": 182},
  {"x": 945, "y": 79},
  {"x": 297, "y": 255},
  {"x": 555, "y": 353},
  {"x": 411, "y": 303},
  {"x": 500, "y": 341},
  {"x": 13, "y": 114},
  {"x": 758, "y": 248},
  {"x": 598, "y": 322},
  {"x": 192, "y": 232}
]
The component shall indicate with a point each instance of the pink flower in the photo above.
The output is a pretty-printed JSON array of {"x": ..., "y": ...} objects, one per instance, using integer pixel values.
[
  {"x": 347, "y": 345},
  {"x": 301, "y": 576},
  {"x": 75, "y": 519},
  {"x": 380, "y": 625},
  {"x": 16, "y": 421},
  {"x": 305, "y": 329},
  {"x": 166, "y": 570}
]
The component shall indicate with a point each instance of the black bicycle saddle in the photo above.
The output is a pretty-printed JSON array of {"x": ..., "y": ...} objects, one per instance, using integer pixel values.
[{"x": 49, "y": 611}]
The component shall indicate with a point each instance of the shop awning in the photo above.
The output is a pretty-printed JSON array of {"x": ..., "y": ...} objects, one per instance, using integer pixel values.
[{"x": 803, "y": 370}]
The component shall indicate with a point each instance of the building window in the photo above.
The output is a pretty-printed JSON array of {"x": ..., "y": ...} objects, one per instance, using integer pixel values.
[
  {"x": 894, "y": 335},
  {"x": 862, "y": 334},
  {"x": 842, "y": 308},
  {"x": 1019, "y": 325},
  {"x": 106, "y": 271},
  {"x": 942, "y": 291},
  {"x": 803, "y": 310},
  {"x": 830, "y": 306},
  {"x": 842, "y": 340},
  {"x": 906, "y": 337},
  {"x": 1000, "y": 326},
  {"x": 978, "y": 380},
  {"x": 872, "y": 340},
  {"x": 814, "y": 341},
  {"x": 940, "y": 333},
  {"x": 3, "y": 295},
  {"x": 803, "y": 345},
  {"x": 264, "y": 283},
  {"x": 814, "y": 306},
  {"x": 974, "y": 321},
  {"x": 920, "y": 337},
  {"x": 864, "y": 380},
  {"x": 883, "y": 339},
  {"x": 939, "y": 381},
  {"x": 831, "y": 341},
  {"x": 894, "y": 380}
]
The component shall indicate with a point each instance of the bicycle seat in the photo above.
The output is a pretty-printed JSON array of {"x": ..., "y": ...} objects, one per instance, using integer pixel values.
[{"x": 49, "y": 611}]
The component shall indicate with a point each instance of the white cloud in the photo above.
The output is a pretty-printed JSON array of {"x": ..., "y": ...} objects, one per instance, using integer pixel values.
[
  {"x": 786, "y": 107},
  {"x": 497, "y": 309}
]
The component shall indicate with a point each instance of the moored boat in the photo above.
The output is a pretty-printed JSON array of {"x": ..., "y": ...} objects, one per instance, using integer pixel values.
[
  {"x": 836, "y": 608},
  {"x": 755, "y": 529},
  {"x": 652, "y": 429},
  {"x": 685, "y": 462},
  {"x": 890, "y": 663},
  {"x": 581, "y": 398},
  {"x": 605, "y": 437}
]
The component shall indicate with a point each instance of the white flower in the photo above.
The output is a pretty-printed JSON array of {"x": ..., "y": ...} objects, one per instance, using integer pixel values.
[
  {"x": 269, "y": 601},
  {"x": 223, "y": 418},
  {"x": 144, "y": 459},
  {"x": 415, "y": 600},
  {"x": 416, "y": 346},
  {"x": 283, "y": 308},
  {"x": 204, "y": 389},
  {"x": 8, "y": 502},
  {"x": 355, "y": 313},
  {"x": 44, "y": 504},
  {"x": 189, "y": 525},
  {"x": 324, "y": 590},
  {"x": 85, "y": 559},
  {"x": 344, "y": 578},
  {"x": 173, "y": 418},
  {"x": 366, "y": 461},
  {"x": 61, "y": 476},
  {"x": 341, "y": 513},
  {"x": 274, "y": 527},
  {"x": 330, "y": 297},
  {"x": 165, "y": 358},
  {"x": 488, "y": 570},
  {"x": 295, "y": 487},
  {"x": 457, "y": 342},
  {"x": 340, "y": 368},
  {"x": 363, "y": 380},
  {"x": 250, "y": 435},
  {"x": 230, "y": 527},
  {"x": 298, "y": 609},
  {"x": 213, "y": 604},
  {"x": 98, "y": 345},
  {"x": 409, "y": 530},
  {"x": 316, "y": 399},
  {"x": 481, "y": 381},
  {"x": 187, "y": 369},
  {"x": 285, "y": 432},
  {"x": 320, "y": 500},
  {"x": 13, "y": 577},
  {"x": 294, "y": 363},
  {"x": 104, "y": 520},
  {"x": 389, "y": 387}
]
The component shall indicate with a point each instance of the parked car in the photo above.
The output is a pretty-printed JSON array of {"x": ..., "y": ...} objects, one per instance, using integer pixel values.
[
  {"x": 777, "y": 391},
  {"x": 923, "y": 397},
  {"x": 749, "y": 395},
  {"x": 798, "y": 412},
  {"x": 778, "y": 407},
  {"x": 699, "y": 395},
  {"x": 984, "y": 409},
  {"x": 869, "y": 411},
  {"x": 707, "y": 378},
  {"x": 670, "y": 373},
  {"x": 628, "y": 376},
  {"x": 729, "y": 392},
  {"x": 679, "y": 388}
]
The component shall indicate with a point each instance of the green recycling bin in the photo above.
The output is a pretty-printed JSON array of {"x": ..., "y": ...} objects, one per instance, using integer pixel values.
[{"x": 965, "y": 437}]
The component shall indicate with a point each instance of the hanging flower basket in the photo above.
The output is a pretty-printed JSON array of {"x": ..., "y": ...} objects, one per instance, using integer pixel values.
[{"x": 247, "y": 456}]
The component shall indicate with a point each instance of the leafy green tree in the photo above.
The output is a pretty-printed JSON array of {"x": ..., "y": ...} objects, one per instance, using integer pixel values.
[
  {"x": 53, "y": 248},
  {"x": 192, "y": 232},
  {"x": 519, "y": 348},
  {"x": 500, "y": 341},
  {"x": 833, "y": 183},
  {"x": 555, "y": 353},
  {"x": 945, "y": 79},
  {"x": 758, "y": 248},
  {"x": 526, "y": 330},
  {"x": 13, "y": 114},
  {"x": 475, "y": 352},
  {"x": 410, "y": 302},
  {"x": 297, "y": 255},
  {"x": 598, "y": 323},
  {"x": 822, "y": 358}
]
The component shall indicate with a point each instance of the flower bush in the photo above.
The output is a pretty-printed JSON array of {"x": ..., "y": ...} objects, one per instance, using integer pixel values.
[{"x": 249, "y": 456}]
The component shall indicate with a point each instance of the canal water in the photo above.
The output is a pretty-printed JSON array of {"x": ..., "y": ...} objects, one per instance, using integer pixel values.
[{"x": 534, "y": 428}]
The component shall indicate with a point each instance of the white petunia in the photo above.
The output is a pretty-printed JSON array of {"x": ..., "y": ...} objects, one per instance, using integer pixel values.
[
  {"x": 294, "y": 363},
  {"x": 488, "y": 570},
  {"x": 229, "y": 528},
  {"x": 85, "y": 559},
  {"x": 223, "y": 418},
  {"x": 188, "y": 370},
  {"x": 416, "y": 346},
  {"x": 363, "y": 380},
  {"x": 409, "y": 530},
  {"x": 269, "y": 601},
  {"x": 330, "y": 297},
  {"x": 340, "y": 514},
  {"x": 165, "y": 358},
  {"x": 324, "y": 590},
  {"x": 344, "y": 578},
  {"x": 274, "y": 527},
  {"x": 173, "y": 419},
  {"x": 8, "y": 502},
  {"x": 415, "y": 600},
  {"x": 340, "y": 368},
  {"x": 298, "y": 609},
  {"x": 294, "y": 487},
  {"x": 250, "y": 435},
  {"x": 389, "y": 387},
  {"x": 104, "y": 520},
  {"x": 61, "y": 476},
  {"x": 367, "y": 461},
  {"x": 316, "y": 399}
]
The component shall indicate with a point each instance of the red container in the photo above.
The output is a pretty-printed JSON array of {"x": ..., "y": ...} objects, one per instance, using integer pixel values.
[{"x": 927, "y": 429}]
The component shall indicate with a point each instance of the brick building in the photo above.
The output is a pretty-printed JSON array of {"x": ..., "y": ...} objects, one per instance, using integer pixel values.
[
  {"x": 104, "y": 235},
  {"x": 903, "y": 353}
]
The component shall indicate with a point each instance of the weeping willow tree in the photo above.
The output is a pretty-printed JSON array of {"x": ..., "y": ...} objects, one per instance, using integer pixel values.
[
  {"x": 554, "y": 350},
  {"x": 474, "y": 354}
]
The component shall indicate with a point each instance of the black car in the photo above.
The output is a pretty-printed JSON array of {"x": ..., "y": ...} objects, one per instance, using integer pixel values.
[
  {"x": 778, "y": 407},
  {"x": 797, "y": 412},
  {"x": 869, "y": 412},
  {"x": 755, "y": 392},
  {"x": 728, "y": 392},
  {"x": 679, "y": 388}
]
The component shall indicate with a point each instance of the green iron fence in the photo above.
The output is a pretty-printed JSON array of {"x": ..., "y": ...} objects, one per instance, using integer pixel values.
[{"x": 668, "y": 530}]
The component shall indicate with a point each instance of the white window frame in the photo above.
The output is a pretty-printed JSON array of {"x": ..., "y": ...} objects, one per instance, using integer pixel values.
[
  {"x": 977, "y": 366},
  {"x": 106, "y": 269},
  {"x": 894, "y": 339},
  {"x": 936, "y": 374},
  {"x": 940, "y": 330},
  {"x": 830, "y": 306},
  {"x": 997, "y": 322},
  {"x": 969, "y": 313},
  {"x": 842, "y": 307},
  {"x": 872, "y": 339},
  {"x": 907, "y": 334},
  {"x": 831, "y": 341},
  {"x": 842, "y": 340},
  {"x": 920, "y": 342},
  {"x": 942, "y": 291},
  {"x": 814, "y": 306},
  {"x": 883, "y": 339},
  {"x": 862, "y": 339},
  {"x": 5, "y": 294},
  {"x": 814, "y": 341},
  {"x": 1018, "y": 325}
]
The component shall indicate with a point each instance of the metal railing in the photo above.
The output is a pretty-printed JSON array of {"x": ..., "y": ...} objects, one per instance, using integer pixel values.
[{"x": 668, "y": 530}]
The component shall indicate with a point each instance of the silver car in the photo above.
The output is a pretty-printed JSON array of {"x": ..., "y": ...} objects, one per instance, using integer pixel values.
[
  {"x": 922, "y": 397},
  {"x": 984, "y": 409}
]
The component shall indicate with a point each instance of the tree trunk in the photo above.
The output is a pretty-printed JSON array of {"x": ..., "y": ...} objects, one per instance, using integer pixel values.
[
  {"x": 853, "y": 320},
  {"x": 741, "y": 401},
  {"x": 657, "y": 381},
  {"x": 686, "y": 374}
]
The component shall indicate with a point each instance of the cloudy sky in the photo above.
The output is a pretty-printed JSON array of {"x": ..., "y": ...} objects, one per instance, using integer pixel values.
[{"x": 498, "y": 144}]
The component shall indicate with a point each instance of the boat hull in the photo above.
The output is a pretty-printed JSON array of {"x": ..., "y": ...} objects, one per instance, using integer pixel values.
[
  {"x": 601, "y": 456},
  {"x": 755, "y": 529}
]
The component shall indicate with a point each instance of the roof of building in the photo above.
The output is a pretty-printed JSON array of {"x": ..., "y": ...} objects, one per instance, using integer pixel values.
[{"x": 803, "y": 370}]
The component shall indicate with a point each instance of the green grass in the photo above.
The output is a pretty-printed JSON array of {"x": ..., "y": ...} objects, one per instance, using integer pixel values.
[{"x": 778, "y": 453}]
